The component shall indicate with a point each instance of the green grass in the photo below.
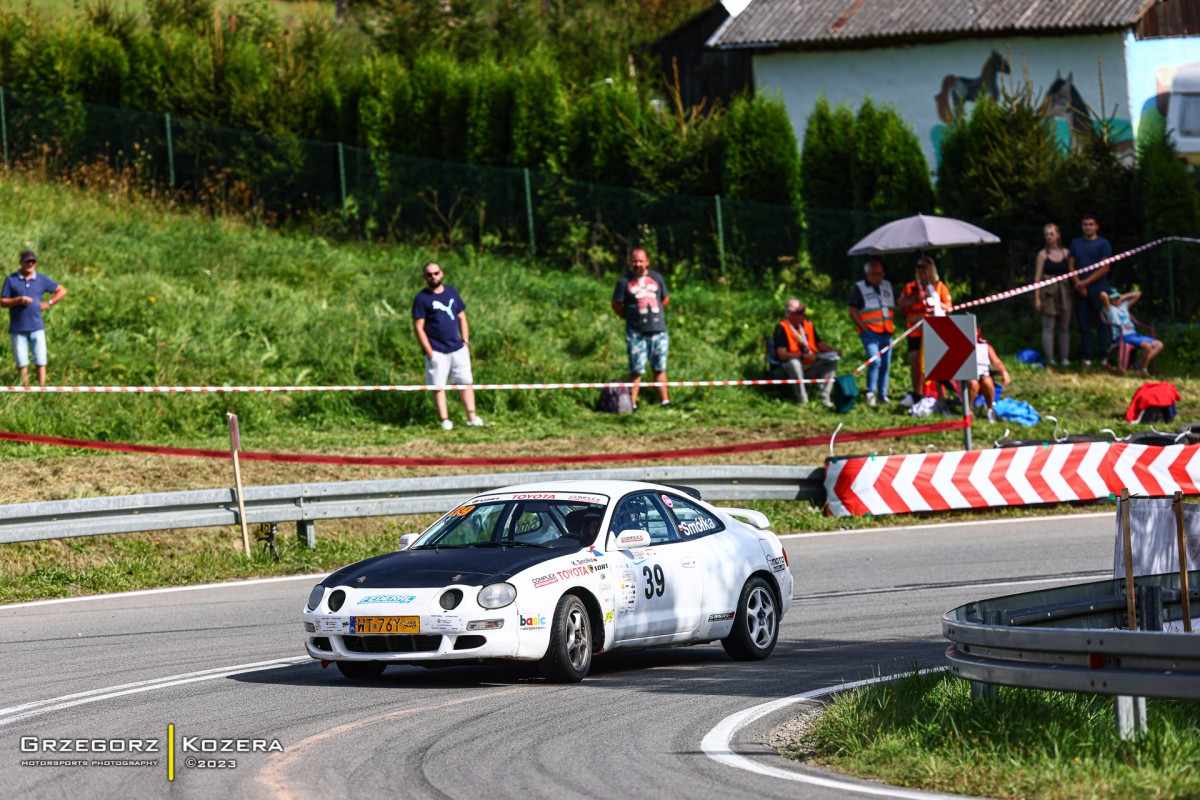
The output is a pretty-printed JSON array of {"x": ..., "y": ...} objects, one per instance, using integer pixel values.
[{"x": 925, "y": 731}]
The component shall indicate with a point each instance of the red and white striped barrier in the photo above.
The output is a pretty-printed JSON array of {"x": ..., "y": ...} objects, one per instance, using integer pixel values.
[{"x": 1008, "y": 476}]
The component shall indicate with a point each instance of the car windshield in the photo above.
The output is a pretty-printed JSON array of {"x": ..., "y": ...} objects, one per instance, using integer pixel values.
[{"x": 493, "y": 522}]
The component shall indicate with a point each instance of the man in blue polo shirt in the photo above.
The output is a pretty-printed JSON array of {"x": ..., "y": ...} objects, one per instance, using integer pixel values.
[
  {"x": 440, "y": 323},
  {"x": 22, "y": 296},
  {"x": 1085, "y": 251}
]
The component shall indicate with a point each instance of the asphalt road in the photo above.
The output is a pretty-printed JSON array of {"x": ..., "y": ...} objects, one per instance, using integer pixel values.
[{"x": 227, "y": 663}]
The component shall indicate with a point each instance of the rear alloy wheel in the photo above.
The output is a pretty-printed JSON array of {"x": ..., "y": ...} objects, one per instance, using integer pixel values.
[
  {"x": 569, "y": 656},
  {"x": 756, "y": 626},
  {"x": 361, "y": 670}
]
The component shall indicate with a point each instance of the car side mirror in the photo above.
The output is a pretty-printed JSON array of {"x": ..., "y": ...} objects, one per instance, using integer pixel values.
[
  {"x": 632, "y": 538},
  {"x": 406, "y": 540}
]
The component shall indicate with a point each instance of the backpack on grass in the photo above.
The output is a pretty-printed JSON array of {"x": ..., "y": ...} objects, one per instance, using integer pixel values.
[
  {"x": 845, "y": 393},
  {"x": 616, "y": 400}
]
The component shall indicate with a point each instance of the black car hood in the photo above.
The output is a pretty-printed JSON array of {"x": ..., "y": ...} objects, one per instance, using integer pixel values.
[{"x": 474, "y": 566}]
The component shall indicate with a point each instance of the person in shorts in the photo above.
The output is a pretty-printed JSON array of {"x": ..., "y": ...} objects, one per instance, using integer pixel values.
[
  {"x": 23, "y": 295},
  {"x": 1116, "y": 307},
  {"x": 641, "y": 297},
  {"x": 440, "y": 322}
]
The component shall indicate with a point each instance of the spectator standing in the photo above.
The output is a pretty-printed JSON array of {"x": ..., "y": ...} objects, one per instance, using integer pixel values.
[
  {"x": 1085, "y": 251},
  {"x": 872, "y": 310},
  {"x": 1116, "y": 306},
  {"x": 800, "y": 348},
  {"x": 641, "y": 298},
  {"x": 23, "y": 295},
  {"x": 1054, "y": 302},
  {"x": 924, "y": 297},
  {"x": 440, "y": 322}
]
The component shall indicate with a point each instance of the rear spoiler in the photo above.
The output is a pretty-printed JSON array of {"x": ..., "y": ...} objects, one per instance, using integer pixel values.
[{"x": 755, "y": 518}]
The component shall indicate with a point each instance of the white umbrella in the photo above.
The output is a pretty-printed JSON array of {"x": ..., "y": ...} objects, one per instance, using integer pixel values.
[{"x": 921, "y": 233}]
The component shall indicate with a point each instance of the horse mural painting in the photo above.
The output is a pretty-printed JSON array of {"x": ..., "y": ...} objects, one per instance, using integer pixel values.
[
  {"x": 958, "y": 90},
  {"x": 1064, "y": 102}
]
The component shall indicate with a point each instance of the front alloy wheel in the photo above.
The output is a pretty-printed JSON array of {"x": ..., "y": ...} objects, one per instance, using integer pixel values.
[{"x": 569, "y": 656}]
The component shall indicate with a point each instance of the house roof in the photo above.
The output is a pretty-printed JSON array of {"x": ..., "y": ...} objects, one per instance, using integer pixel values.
[{"x": 805, "y": 24}]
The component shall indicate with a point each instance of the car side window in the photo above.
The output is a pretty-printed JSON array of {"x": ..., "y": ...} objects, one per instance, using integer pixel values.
[
  {"x": 645, "y": 513},
  {"x": 692, "y": 521}
]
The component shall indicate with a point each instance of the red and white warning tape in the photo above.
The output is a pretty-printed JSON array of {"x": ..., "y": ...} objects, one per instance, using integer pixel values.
[{"x": 412, "y": 387}]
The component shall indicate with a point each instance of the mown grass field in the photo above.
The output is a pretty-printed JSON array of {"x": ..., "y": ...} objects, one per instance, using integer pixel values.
[
  {"x": 925, "y": 731},
  {"x": 171, "y": 297}
]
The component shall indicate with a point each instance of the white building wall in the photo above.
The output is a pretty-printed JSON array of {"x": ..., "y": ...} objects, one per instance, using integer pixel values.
[{"x": 911, "y": 77}]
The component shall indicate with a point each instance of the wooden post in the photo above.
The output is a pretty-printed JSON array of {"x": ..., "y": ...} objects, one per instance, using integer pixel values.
[
  {"x": 1127, "y": 541},
  {"x": 235, "y": 444},
  {"x": 1181, "y": 542}
]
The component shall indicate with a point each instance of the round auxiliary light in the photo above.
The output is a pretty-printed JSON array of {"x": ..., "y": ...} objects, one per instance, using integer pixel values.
[
  {"x": 314, "y": 597},
  {"x": 336, "y": 598},
  {"x": 450, "y": 600}
]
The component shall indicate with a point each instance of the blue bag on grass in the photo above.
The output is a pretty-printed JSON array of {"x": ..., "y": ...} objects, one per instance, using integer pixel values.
[
  {"x": 979, "y": 397},
  {"x": 1031, "y": 357}
]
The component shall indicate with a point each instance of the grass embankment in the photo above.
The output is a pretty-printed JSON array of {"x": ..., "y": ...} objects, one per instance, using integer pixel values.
[
  {"x": 175, "y": 298},
  {"x": 925, "y": 731}
]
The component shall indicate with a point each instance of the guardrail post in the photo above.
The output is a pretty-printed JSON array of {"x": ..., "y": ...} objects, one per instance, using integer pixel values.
[
  {"x": 979, "y": 689},
  {"x": 342, "y": 172},
  {"x": 1131, "y": 717},
  {"x": 720, "y": 233},
  {"x": 306, "y": 533}
]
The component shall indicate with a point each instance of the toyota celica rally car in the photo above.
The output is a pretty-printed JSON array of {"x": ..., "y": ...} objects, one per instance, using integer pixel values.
[{"x": 556, "y": 573}]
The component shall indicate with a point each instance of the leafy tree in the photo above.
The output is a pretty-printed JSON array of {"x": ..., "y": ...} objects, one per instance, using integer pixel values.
[
  {"x": 1002, "y": 162},
  {"x": 1169, "y": 205}
]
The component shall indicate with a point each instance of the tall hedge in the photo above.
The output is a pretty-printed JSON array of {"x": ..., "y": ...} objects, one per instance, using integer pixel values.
[
  {"x": 762, "y": 161},
  {"x": 1169, "y": 205},
  {"x": 827, "y": 155},
  {"x": 889, "y": 171}
]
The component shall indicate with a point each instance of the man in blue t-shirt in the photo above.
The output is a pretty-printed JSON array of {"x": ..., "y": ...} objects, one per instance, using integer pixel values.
[
  {"x": 440, "y": 321},
  {"x": 1085, "y": 251},
  {"x": 22, "y": 296}
]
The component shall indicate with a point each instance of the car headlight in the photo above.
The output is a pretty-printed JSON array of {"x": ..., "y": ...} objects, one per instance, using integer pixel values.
[
  {"x": 497, "y": 595},
  {"x": 315, "y": 596}
]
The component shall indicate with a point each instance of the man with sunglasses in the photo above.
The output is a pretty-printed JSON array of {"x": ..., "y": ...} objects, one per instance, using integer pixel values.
[
  {"x": 440, "y": 322},
  {"x": 800, "y": 350},
  {"x": 23, "y": 295}
]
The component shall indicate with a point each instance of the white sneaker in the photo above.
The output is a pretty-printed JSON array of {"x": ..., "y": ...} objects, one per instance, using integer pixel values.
[
  {"x": 447, "y": 425},
  {"x": 475, "y": 422},
  {"x": 1087, "y": 362},
  {"x": 871, "y": 399},
  {"x": 991, "y": 415},
  {"x": 1066, "y": 362},
  {"x": 825, "y": 401}
]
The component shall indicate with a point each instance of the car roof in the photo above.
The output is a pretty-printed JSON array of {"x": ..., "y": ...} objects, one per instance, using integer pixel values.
[{"x": 613, "y": 489}]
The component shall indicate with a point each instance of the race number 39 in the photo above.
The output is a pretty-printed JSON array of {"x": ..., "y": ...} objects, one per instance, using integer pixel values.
[{"x": 656, "y": 582}]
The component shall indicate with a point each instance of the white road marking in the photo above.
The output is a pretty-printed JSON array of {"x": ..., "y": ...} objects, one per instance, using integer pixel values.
[
  {"x": 39, "y": 707},
  {"x": 165, "y": 590},
  {"x": 716, "y": 745}
]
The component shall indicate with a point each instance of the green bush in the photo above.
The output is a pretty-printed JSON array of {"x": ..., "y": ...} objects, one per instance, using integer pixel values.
[
  {"x": 761, "y": 162},
  {"x": 889, "y": 171}
]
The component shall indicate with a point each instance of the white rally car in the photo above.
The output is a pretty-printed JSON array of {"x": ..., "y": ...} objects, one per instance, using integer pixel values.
[{"x": 558, "y": 572}]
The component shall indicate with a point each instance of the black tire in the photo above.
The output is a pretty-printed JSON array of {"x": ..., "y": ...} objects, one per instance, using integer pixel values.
[
  {"x": 569, "y": 656},
  {"x": 756, "y": 626},
  {"x": 361, "y": 670}
]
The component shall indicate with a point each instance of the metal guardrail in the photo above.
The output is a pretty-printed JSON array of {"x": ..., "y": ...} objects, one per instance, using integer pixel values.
[
  {"x": 304, "y": 504},
  {"x": 1069, "y": 639}
]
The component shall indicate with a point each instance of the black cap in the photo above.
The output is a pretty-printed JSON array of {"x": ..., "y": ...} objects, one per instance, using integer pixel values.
[{"x": 28, "y": 255}]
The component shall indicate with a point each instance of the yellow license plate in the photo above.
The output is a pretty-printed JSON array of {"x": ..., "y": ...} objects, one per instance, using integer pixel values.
[{"x": 385, "y": 625}]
